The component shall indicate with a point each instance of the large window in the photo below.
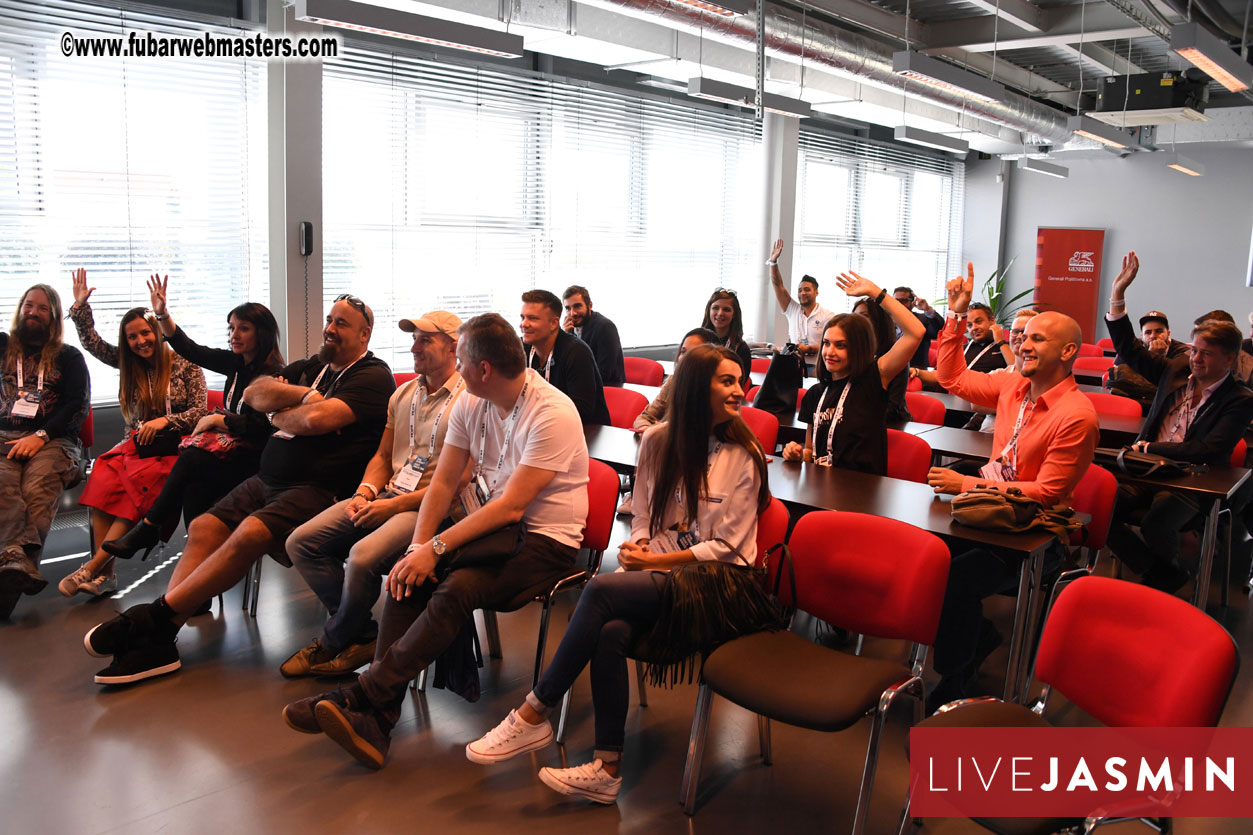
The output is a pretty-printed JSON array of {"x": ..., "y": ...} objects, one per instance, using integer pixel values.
[
  {"x": 459, "y": 188},
  {"x": 892, "y": 215},
  {"x": 128, "y": 166}
]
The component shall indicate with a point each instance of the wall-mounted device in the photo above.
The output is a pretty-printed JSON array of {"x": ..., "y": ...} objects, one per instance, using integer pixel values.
[{"x": 306, "y": 238}]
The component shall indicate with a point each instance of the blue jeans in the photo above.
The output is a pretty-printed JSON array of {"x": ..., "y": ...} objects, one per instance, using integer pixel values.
[
  {"x": 344, "y": 565},
  {"x": 612, "y": 608}
]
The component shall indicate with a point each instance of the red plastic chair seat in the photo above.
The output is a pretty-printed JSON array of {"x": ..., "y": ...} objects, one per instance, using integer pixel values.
[
  {"x": 909, "y": 456},
  {"x": 624, "y": 405},
  {"x": 924, "y": 408},
  {"x": 1114, "y": 404},
  {"x": 643, "y": 372},
  {"x": 765, "y": 427}
]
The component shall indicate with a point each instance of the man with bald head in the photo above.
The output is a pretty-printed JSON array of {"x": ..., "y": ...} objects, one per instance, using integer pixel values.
[
  {"x": 330, "y": 411},
  {"x": 1046, "y": 430}
]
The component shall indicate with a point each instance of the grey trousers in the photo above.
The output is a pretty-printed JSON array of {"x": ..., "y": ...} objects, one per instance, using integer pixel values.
[{"x": 29, "y": 491}]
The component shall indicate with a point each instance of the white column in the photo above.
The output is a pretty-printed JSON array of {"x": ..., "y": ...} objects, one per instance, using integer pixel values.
[{"x": 778, "y": 219}]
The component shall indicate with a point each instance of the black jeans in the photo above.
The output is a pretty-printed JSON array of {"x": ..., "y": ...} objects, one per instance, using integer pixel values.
[{"x": 197, "y": 480}]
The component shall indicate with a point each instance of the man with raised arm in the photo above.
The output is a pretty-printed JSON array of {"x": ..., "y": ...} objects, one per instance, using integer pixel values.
[
  {"x": 330, "y": 410},
  {"x": 1124, "y": 381},
  {"x": 598, "y": 331},
  {"x": 561, "y": 359},
  {"x": 806, "y": 319},
  {"x": 931, "y": 320},
  {"x": 522, "y": 441},
  {"x": 1199, "y": 413},
  {"x": 1046, "y": 430}
]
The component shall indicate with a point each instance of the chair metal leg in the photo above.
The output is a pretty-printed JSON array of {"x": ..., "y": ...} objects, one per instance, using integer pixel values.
[
  {"x": 256, "y": 587},
  {"x": 1017, "y": 638},
  {"x": 1225, "y": 599},
  {"x": 542, "y": 645},
  {"x": 861, "y": 642},
  {"x": 640, "y": 684},
  {"x": 763, "y": 739},
  {"x": 696, "y": 748},
  {"x": 247, "y": 589},
  {"x": 493, "y": 633},
  {"x": 561, "y": 718},
  {"x": 905, "y": 820},
  {"x": 1206, "y": 566},
  {"x": 867, "y": 773},
  {"x": 421, "y": 680}
]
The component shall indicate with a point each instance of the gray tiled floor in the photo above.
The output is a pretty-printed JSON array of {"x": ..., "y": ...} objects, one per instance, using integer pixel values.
[{"x": 205, "y": 750}]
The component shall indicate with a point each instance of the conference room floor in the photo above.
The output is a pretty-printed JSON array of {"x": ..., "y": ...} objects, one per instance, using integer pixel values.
[{"x": 206, "y": 750}]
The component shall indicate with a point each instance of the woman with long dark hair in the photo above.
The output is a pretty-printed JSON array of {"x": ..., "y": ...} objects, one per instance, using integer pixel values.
[
  {"x": 847, "y": 409},
  {"x": 884, "y": 339},
  {"x": 162, "y": 397},
  {"x": 724, "y": 317},
  {"x": 225, "y": 447},
  {"x": 699, "y": 488}
]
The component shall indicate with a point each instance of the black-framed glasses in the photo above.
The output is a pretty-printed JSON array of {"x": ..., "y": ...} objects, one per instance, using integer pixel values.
[{"x": 358, "y": 304}]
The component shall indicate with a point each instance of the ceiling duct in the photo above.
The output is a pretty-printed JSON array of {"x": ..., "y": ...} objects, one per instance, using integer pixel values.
[{"x": 845, "y": 52}]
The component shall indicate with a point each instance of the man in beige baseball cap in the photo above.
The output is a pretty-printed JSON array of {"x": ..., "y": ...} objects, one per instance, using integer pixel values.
[{"x": 344, "y": 552}]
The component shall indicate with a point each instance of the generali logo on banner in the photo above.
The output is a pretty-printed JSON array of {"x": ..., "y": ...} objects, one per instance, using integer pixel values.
[
  {"x": 1079, "y": 772},
  {"x": 1081, "y": 262},
  {"x": 1068, "y": 274}
]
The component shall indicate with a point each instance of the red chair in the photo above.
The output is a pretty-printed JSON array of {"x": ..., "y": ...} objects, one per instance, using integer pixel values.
[
  {"x": 1094, "y": 496},
  {"x": 625, "y": 406},
  {"x": 914, "y": 384},
  {"x": 764, "y": 425},
  {"x": 1125, "y": 654},
  {"x": 909, "y": 456},
  {"x": 868, "y": 574},
  {"x": 87, "y": 432},
  {"x": 1105, "y": 344},
  {"x": 760, "y": 364},
  {"x": 214, "y": 400},
  {"x": 751, "y": 394},
  {"x": 800, "y": 396},
  {"x": 1238, "y": 454},
  {"x": 1094, "y": 365},
  {"x": 1114, "y": 404},
  {"x": 403, "y": 377},
  {"x": 1087, "y": 350},
  {"x": 933, "y": 352},
  {"x": 924, "y": 408},
  {"x": 771, "y": 528},
  {"x": 643, "y": 372}
]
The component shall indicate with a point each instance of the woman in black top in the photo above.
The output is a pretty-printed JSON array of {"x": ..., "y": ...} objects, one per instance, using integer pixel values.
[
  {"x": 847, "y": 409},
  {"x": 723, "y": 317},
  {"x": 225, "y": 447},
  {"x": 885, "y": 338}
]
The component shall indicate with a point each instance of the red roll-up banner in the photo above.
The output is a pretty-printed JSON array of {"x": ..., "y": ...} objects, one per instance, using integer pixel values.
[{"x": 1068, "y": 274}]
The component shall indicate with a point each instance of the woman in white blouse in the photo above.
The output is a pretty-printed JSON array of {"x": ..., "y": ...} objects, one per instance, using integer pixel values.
[{"x": 699, "y": 488}]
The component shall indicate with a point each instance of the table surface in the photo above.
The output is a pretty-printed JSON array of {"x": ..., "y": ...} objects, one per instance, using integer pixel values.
[{"x": 1214, "y": 483}]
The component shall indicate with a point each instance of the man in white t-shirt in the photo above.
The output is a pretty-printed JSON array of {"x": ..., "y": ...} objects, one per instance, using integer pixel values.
[
  {"x": 806, "y": 319},
  {"x": 522, "y": 441}
]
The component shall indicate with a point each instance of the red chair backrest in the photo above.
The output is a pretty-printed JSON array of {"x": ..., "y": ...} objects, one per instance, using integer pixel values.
[
  {"x": 914, "y": 384},
  {"x": 800, "y": 395},
  {"x": 625, "y": 406},
  {"x": 1094, "y": 363},
  {"x": 1087, "y": 350},
  {"x": 869, "y": 574},
  {"x": 764, "y": 425},
  {"x": 924, "y": 408},
  {"x": 1095, "y": 495},
  {"x": 1105, "y": 344},
  {"x": 933, "y": 352},
  {"x": 214, "y": 399},
  {"x": 751, "y": 394},
  {"x": 1114, "y": 404},
  {"x": 1133, "y": 656},
  {"x": 909, "y": 456},
  {"x": 1238, "y": 453},
  {"x": 87, "y": 432},
  {"x": 760, "y": 364},
  {"x": 643, "y": 372},
  {"x": 403, "y": 377},
  {"x": 771, "y": 528},
  {"x": 602, "y": 500}
]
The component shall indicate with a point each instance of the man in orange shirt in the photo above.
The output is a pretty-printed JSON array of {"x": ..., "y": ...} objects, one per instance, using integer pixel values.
[{"x": 1046, "y": 430}]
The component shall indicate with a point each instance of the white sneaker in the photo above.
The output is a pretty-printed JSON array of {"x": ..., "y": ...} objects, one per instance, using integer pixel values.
[
  {"x": 100, "y": 585},
  {"x": 510, "y": 738},
  {"x": 80, "y": 580},
  {"x": 589, "y": 780}
]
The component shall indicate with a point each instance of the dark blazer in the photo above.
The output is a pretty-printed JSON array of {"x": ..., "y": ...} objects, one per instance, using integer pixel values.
[
  {"x": 1217, "y": 426},
  {"x": 601, "y": 335},
  {"x": 932, "y": 325},
  {"x": 574, "y": 372}
]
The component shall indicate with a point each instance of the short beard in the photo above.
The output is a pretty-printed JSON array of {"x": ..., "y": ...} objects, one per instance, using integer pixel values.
[
  {"x": 36, "y": 335},
  {"x": 327, "y": 352}
]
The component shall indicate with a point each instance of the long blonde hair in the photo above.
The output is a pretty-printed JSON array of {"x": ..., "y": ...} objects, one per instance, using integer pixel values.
[
  {"x": 48, "y": 357},
  {"x": 141, "y": 390}
]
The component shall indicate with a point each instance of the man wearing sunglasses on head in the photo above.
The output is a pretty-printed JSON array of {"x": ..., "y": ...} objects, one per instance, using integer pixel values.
[{"x": 329, "y": 411}]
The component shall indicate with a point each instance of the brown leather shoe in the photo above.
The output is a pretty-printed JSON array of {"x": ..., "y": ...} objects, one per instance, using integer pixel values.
[
  {"x": 353, "y": 656},
  {"x": 302, "y": 661},
  {"x": 19, "y": 573}
]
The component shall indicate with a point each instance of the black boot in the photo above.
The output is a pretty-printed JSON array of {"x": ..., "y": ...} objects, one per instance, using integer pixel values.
[{"x": 143, "y": 537}]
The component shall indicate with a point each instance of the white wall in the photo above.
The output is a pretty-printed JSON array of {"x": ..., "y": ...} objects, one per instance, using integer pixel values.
[{"x": 1192, "y": 234}]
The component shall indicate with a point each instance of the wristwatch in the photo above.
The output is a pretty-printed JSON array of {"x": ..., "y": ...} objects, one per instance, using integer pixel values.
[
  {"x": 438, "y": 546},
  {"x": 42, "y": 435}
]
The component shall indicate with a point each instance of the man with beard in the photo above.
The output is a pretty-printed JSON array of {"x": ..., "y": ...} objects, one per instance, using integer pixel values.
[
  {"x": 330, "y": 411},
  {"x": 43, "y": 399},
  {"x": 598, "y": 331}
]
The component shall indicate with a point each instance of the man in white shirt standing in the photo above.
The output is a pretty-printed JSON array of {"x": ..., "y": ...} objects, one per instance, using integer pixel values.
[
  {"x": 806, "y": 319},
  {"x": 345, "y": 550},
  {"x": 524, "y": 441}
]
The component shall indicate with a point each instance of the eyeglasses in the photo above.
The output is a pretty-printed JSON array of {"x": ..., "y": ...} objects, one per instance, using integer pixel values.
[
  {"x": 1018, "y": 331},
  {"x": 725, "y": 291},
  {"x": 358, "y": 304}
]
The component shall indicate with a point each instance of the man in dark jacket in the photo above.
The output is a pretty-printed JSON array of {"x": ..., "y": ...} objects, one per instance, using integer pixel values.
[
  {"x": 930, "y": 318},
  {"x": 1155, "y": 335},
  {"x": 1199, "y": 414},
  {"x": 595, "y": 329},
  {"x": 561, "y": 359}
]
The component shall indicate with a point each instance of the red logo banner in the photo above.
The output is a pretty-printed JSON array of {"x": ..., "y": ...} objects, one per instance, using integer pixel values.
[
  {"x": 1068, "y": 274},
  {"x": 1079, "y": 772}
]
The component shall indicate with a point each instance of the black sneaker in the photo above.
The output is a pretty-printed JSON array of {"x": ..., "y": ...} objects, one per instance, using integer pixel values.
[
  {"x": 18, "y": 572},
  {"x": 299, "y": 714},
  {"x": 146, "y": 660},
  {"x": 357, "y": 728},
  {"x": 115, "y": 637}
]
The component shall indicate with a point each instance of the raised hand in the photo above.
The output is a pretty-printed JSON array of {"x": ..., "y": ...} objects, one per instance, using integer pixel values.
[
  {"x": 1130, "y": 266},
  {"x": 960, "y": 290},
  {"x": 922, "y": 304},
  {"x": 157, "y": 292},
  {"x": 81, "y": 291},
  {"x": 998, "y": 333},
  {"x": 776, "y": 250},
  {"x": 854, "y": 285}
]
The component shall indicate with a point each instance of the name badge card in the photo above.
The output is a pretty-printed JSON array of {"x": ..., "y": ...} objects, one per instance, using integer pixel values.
[
  {"x": 410, "y": 474},
  {"x": 27, "y": 404},
  {"x": 998, "y": 471}
]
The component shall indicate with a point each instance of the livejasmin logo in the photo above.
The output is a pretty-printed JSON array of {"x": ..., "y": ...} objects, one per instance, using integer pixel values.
[{"x": 1078, "y": 772}]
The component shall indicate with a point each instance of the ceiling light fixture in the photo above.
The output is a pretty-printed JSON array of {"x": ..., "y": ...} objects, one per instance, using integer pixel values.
[
  {"x": 376, "y": 20},
  {"x": 1184, "y": 165},
  {"x": 726, "y": 8},
  {"x": 918, "y": 136},
  {"x": 1210, "y": 55},
  {"x": 943, "y": 76},
  {"x": 1039, "y": 166},
  {"x": 1092, "y": 129},
  {"x": 713, "y": 90}
]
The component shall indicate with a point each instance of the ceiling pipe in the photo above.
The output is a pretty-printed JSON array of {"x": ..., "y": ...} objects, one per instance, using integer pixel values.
[{"x": 846, "y": 52}]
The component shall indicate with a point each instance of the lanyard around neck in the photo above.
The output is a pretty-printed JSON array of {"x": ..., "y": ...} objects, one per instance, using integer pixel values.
[
  {"x": 39, "y": 385},
  {"x": 548, "y": 366},
  {"x": 839, "y": 411},
  {"x": 414, "y": 405},
  {"x": 504, "y": 445}
]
